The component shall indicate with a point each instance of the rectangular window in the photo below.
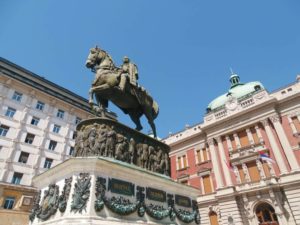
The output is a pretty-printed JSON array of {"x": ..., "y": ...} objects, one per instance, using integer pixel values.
[
  {"x": 48, "y": 163},
  {"x": 52, "y": 145},
  {"x": 56, "y": 128},
  {"x": 241, "y": 172},
  {"x": 71, "y": 151},
  {"x": 60, "y": 114},
  {"x": 17, "y": 177},
  {"x": 182, "y": 162},
  {"x": 10, "y": 112},
  {"x": 254, "y": 135},
  {"x": 296, "y": 123},
  {"x": 35, "y": 121},
  {"x": 9, "y": 203},
  {"x": 243, "y": 138},
  {"x": 40, "y": 105},
  {"x": 29, "y": 138},
  {"x": 233, "y": 144},
  {"x": 253, "y": 171},
  {"x": 204, "y": 152},
  {"x": 77, "y": 120},
  {"x": 17, "y": 96},
  {"x": 198, "y": 152},
  {"x": 23, "y": 157},
  {"x": 207, "y": 184},
  {"x": 3, "y": 130}
]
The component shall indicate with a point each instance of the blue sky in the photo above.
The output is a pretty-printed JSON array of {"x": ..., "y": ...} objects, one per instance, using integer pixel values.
[{"x": 183, "y": 49}]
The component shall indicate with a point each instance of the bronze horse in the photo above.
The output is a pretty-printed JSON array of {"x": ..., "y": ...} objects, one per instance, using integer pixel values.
[{"x": 134, "y": 100}]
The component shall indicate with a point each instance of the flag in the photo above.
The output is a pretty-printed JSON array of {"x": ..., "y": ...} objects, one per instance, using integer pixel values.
[
  {"x": 228, "y": 165},
  {"x": 264, "y": 156}
]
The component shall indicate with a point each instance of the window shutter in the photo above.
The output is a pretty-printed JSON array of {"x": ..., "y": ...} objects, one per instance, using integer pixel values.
[
  {"x": 207, "y": 184},
  {"x": 243, "y": 138},
  {"x": 253, "y": 171}
]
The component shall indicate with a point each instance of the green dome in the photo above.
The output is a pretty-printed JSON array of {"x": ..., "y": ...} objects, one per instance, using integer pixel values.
[{"x": 237, "y": 91}]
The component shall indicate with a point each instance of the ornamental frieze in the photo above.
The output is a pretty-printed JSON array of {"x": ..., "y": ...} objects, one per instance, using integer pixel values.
[{"x": 108, "y": 138}]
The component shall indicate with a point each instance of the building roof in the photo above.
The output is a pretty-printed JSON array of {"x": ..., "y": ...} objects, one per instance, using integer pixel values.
[{"x": 237, "y": 90}]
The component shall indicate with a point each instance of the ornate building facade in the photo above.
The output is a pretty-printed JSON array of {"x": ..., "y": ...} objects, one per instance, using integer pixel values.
[
  {"x": 244, "y": 157},
  {"x": 37, "y": 130}
]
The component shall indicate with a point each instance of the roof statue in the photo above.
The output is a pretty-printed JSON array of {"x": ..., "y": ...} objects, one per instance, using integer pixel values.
[{"x": 120, "y": 86}]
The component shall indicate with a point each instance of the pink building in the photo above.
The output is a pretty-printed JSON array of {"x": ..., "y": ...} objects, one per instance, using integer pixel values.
[{"x": 244, "y": 157}]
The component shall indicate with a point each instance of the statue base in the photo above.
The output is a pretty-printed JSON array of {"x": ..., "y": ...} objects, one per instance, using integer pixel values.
[
  {"x": 102, "y": 190},
  {"x": 102, "y": 136}
]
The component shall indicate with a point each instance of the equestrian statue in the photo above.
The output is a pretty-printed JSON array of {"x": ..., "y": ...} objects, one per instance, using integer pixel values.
[{"x": 119, "y": 85}]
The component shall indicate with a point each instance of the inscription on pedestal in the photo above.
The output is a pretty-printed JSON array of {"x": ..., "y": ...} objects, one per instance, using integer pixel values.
[
  {"x": 156, "y": 195},
  {"x": 120, "y": 187},
  {"x": 183, "y": 201}
]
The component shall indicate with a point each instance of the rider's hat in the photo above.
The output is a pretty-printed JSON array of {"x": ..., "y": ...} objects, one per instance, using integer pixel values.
[{"x": 125, "y": 58}]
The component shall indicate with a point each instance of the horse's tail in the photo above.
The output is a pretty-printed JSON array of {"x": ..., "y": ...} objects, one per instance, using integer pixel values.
[{"x": 155, "y": 109}]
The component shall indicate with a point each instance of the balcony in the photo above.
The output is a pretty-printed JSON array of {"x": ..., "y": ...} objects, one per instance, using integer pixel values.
[
  {"x": 247, "y": 152},
  {"x": 257, "y": 185}
]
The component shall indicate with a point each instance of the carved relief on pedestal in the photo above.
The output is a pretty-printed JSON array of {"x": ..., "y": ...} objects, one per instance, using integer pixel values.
[
  {"x": 63, "y": 198},
  {"x": 81, "y": 193},
  {"x": 49, "y": 204},
  {"x": 107, "y": 138}
]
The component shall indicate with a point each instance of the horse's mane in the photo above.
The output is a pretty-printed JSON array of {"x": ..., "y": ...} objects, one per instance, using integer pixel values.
[{"x": 109, "y": 57}]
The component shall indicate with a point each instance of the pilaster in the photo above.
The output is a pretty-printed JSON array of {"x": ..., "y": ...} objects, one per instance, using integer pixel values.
[
  {"x": 275, "y": 148},
  {"x": 285, "y": 143},
  {"x": 224, "y": 162},
  {"x": 215, "y": 163}
]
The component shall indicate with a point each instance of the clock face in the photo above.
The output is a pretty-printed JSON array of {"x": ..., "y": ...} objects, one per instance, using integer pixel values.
[{"x": 231, "y": 104}]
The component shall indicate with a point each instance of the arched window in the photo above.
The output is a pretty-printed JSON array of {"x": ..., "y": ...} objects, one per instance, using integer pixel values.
[
  {"x": 213, "y": 218},
  {"x": 266, "y": 214}
]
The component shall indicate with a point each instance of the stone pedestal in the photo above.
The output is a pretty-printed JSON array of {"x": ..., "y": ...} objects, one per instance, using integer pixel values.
[{"x": 101, "y": 190}]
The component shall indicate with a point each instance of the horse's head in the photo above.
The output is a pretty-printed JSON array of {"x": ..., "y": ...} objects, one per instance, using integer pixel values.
[{"x": 93, "y": 58}]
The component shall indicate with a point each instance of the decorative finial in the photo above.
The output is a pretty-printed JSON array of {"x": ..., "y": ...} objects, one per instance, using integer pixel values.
[{"x": 231, "y": 71}]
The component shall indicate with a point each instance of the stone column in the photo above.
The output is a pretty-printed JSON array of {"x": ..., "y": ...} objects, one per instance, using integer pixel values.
[
  {"x": 224, "y": 162},
  {"x": 237, "y": 141},
  {"x": 202, "y": 185},
  {"x": 260, "y": 169},
  {"x": 237, "y": 174},
  {"x": 215, "y": 163},
  {"x": 271, "y": 168},
  {"x": 246, "y": 172},
  {"x": 285, "y": 143},
  {"x": 228, "y": 143},
  {"x": 250, "y": 137},
  {"x": 261, "y": 140},
  {"x": 276, "y": 151}
]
